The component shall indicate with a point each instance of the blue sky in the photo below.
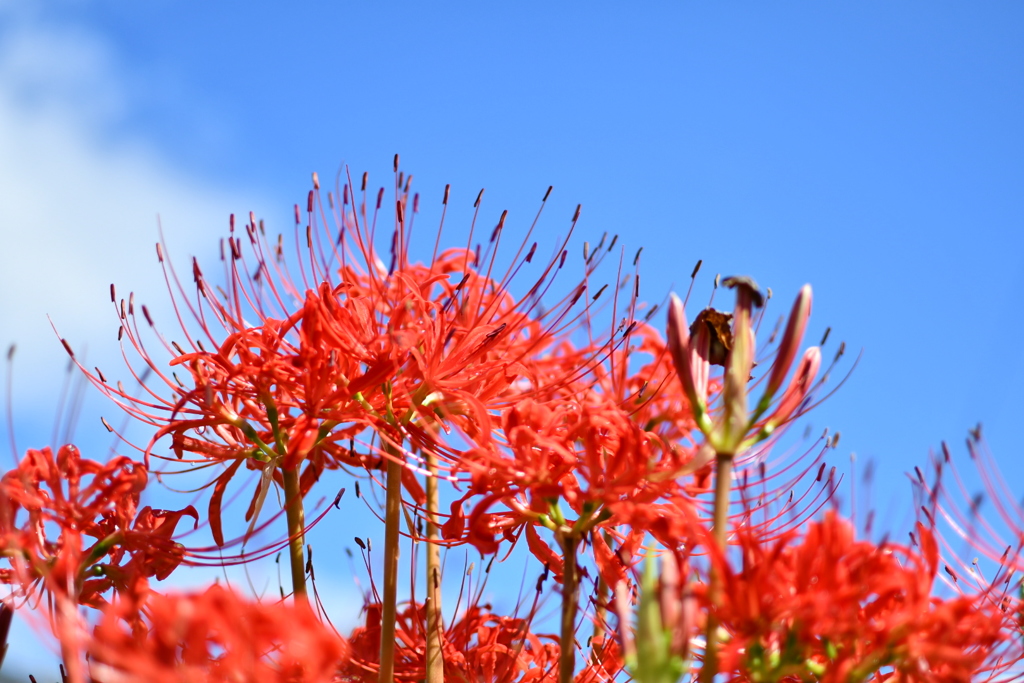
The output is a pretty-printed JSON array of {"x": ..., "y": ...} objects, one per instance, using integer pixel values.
[{"x": 872, "y": 149}]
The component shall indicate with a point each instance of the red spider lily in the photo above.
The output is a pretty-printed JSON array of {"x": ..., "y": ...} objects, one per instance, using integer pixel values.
[
  {"x": 731, "y": 429},
  {"x": 617, "y": 447},
  {"x": 213, "y": 636},
  {"x": 653, "y": 397},
  {"x": 303, "y": 366},
  {"x": 585, "y": 452},
  {"x": 828, "y": 606},
  {"x": 398, "y": 354},
  {"x": 479, "y": 646},
  {"x": 588, "y": 454},
  {"x": 952, "y": 513},
  {"x": 613, "y": 436},
  {"x": 626, "y": 445},
  {"x": 103, "y": 540}
]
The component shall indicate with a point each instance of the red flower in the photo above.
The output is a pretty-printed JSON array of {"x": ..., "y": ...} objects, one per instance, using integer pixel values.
[
  {"x": 479, "y": 646},
  {"x": 952, "y": 513},
  {"x": 346, "y": 362},
  {"x": 213, "y": 636},
  {"x": 102, "y": 540},
  {"x": 839, "y": 609}
]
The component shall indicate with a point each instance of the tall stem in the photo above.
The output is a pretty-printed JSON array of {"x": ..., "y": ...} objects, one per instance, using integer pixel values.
[
  {"x": 68, "y": 628},
  {"x": 435, "y": 627},
  {"x": 392, "y": 519},
  {"x": 570, "y": 599},
  {"x": 72, "y": 666},
  {"x": 601, "y": 611},
  {"x": 296, "y": 517},
  {"x": 723, "y": 480}
]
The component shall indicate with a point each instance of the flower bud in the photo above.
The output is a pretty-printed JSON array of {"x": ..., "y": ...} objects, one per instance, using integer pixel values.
[
  {"x": 732, "y": 428},
  {"x": 798, "y": 387},
  {"x": 691, "y": 365},
  {"x": 790, "y": 342},
  {"x": 664, "y": 621}
]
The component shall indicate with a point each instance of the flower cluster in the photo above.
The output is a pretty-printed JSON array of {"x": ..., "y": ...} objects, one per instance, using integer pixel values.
[
  {"x": 488, "y": 409},
  {"x": 102, "y": 539},
  {"x": 214, "y": 635},
  {"x": 840, "y": 609}
]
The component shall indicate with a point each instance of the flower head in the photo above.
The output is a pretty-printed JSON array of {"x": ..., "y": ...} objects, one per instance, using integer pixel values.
[
  {"x": 349, "y": 356},
  {"x": 826, "y": 605},
  {"x": 734, "y": 428},
  {"x": 102, "y": 539},
  {"x": 214, "y": 635},
  {"x": 479, "y": 645}
]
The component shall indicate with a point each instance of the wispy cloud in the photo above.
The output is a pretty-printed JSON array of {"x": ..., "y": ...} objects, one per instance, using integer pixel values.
[
  {"x": 79, "y": 205},
  {"x": 80, "y": 199}
]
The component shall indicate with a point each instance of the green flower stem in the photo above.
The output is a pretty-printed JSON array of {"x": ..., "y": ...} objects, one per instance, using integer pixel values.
[
  {"x": 392, "y": 519},
  {"x": 435, "y": 626},
  {"x": 296, "y": 527},
  {"x": 600, "y": 611},
  {"x": 723, "y": 480},
  {"x": 570, "y": 599}
]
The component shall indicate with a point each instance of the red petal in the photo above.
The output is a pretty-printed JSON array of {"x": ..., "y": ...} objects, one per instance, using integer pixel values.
[{"x": 215, "y": 501}]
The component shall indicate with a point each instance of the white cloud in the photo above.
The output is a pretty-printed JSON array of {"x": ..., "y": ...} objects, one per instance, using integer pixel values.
[
  {"x": 78, "y": 210},
  {"x": 79, "y": 203}
]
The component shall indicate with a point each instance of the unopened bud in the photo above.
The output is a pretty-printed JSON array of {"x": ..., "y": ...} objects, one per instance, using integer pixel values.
[
  {"x": 691, "y": 367},
  {"x": 731, "y": 429},
  {"x": 798, "y": 387},
  {"x": 790, "y": 342},
  {"x": 659, "y": 650}
]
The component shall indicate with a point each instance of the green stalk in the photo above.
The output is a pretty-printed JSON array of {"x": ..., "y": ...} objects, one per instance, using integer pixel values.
[
  {"x": 570, "y": 599},
  {"x": 392, "y": 519},
  {"x": 435, "y": 627},
  {"x": 723, "y": 480},
  {"x": 600, "y": 611},
  {"x": 296, "y": 532}
]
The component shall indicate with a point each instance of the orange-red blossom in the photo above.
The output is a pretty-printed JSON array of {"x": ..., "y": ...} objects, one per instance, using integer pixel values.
[
  {"x": 296, "y": 371},
  {"x": 215, "y": 636},
  {"x": 479, "y": 645},
  {"x": 827, "y": 606},
  {"x": 306, "y": 367},
  {"x": 102, "y": 539}
]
